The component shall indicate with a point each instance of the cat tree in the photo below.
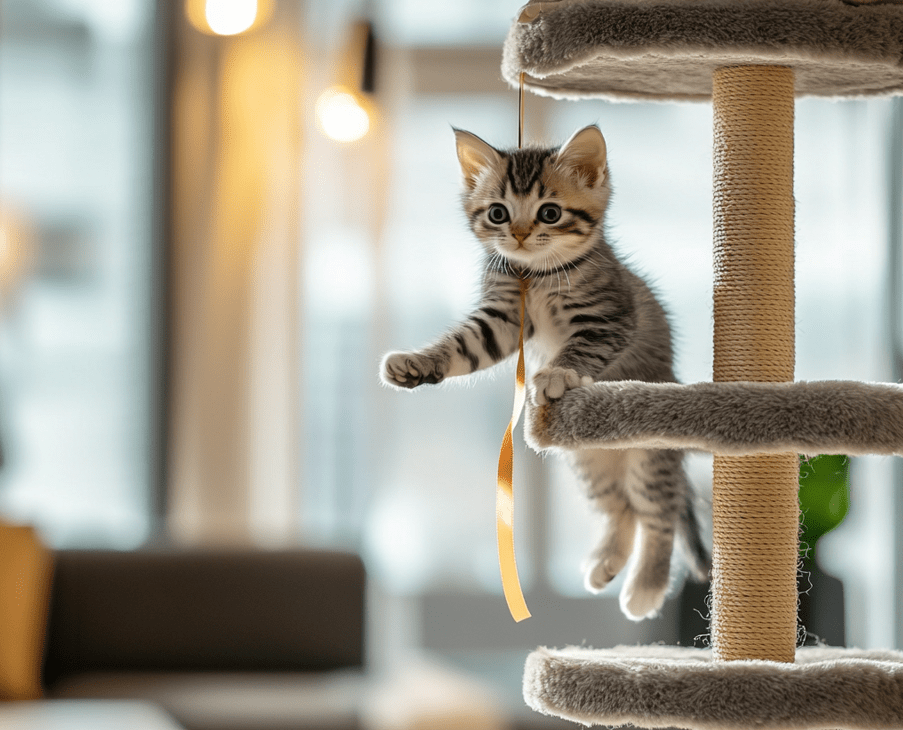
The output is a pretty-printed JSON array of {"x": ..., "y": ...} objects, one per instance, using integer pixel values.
[{"x": 750, "y": 57}]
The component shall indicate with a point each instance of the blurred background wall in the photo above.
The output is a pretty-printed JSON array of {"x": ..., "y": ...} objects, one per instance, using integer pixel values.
[{"x": 199, "y": 273}]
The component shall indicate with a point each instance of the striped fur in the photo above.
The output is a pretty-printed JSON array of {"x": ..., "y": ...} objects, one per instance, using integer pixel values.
[{"x": 539, "y": 213}]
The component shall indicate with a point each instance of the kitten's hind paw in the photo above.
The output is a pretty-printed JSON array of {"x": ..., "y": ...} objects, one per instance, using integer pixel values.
[
  {"x": 552, "y": 382},
  {"x": 599, "y": 574},
  {"x": 638, "y": 603},
  {"x": 409, "y": 369}
]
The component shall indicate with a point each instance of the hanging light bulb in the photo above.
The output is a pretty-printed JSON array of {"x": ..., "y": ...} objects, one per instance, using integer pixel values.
[
  {"x": 345, "y": 111},
  {"x": 230, "y": 17},
  {"x": 342, "y": 115},
  {"x": 227, "y": 17}
]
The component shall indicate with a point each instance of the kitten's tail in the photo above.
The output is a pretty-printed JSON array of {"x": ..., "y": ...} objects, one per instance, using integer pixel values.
[{"x": 698, "y": 555}]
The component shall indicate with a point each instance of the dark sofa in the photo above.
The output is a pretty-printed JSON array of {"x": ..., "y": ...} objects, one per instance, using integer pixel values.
[{"x": 222, "y": 639}]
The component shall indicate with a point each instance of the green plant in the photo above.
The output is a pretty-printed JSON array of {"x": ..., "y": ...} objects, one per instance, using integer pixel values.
[{"x": 824, "y": 498}]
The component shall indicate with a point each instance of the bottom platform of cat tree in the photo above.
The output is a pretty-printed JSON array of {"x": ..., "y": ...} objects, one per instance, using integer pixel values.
[{"x": 665, "y": 686}]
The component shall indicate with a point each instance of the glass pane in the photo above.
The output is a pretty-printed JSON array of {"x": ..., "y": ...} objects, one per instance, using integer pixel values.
[
  {"x": 75, "y": 190},
  {"x": 466, "y": 22}
]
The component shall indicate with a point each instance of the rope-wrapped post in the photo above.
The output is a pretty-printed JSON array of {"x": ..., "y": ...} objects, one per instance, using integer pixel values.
[{"x": 754, "y": 499}]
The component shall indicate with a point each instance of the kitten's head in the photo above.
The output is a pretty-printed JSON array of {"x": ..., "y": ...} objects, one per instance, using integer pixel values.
[{"x": 537, "y": 208}]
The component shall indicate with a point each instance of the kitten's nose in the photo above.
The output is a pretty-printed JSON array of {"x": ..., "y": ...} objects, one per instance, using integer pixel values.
[{"x": 520, "y": 235}]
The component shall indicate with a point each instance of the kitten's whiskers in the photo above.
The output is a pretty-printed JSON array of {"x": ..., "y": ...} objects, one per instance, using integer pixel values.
[
  {"x": 550, "y": 256},
  {"x": 561, "y": 267},
  {"x": 506, "y": 265},
  {"x": 499, "y": 264}
]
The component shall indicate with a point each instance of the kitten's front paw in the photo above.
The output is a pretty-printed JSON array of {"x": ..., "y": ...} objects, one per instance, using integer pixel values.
[
  {"x": 409, "y": 369},
  {"x": 551, "y": 383}
]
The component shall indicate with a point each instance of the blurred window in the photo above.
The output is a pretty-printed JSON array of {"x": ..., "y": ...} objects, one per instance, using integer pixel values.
[{"x": 75, "y": 194}]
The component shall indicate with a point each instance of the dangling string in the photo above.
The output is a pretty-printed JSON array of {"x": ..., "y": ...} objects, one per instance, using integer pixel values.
[
  {"x": 520, "y": 112},
  {"x": 504, "y": 493}
]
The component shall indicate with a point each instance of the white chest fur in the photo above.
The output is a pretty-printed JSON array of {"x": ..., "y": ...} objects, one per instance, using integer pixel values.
[{"x": 550, "y": 332}]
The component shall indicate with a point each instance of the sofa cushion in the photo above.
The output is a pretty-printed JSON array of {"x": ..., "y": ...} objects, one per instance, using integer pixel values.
[{"x": 179, "y": 610}]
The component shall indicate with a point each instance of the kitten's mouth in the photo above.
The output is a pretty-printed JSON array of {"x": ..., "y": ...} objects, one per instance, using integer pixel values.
[
  {"x": 513, "y": 243},
  {"x": 519, "y": 256},
  {"x": 519, "y": 249}
]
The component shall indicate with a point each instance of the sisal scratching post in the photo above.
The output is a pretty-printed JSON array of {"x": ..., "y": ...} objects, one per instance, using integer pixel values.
[{"x": 754, "y": 498}]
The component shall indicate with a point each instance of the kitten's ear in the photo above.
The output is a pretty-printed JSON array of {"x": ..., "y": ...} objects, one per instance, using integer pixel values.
[
  {"x": 474, "y": 155},
  {"x": 585, "y": 154}
]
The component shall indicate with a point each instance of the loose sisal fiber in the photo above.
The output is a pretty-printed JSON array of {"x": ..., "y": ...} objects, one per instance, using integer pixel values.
[{"x": 754, "y": 498}]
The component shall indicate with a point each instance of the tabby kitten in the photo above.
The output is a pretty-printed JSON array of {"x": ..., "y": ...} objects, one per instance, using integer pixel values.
[{"x": 539, "y": 214}]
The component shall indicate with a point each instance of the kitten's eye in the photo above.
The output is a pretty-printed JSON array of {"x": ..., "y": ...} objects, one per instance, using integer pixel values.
[
  {"x": 497, "y": 213},
  {"x": 550, "y": 213}
]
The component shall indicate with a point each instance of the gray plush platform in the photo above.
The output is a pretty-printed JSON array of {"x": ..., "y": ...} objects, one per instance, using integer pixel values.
[
  {"x": 668, "y": 49},
  {"x": 819, "y": 417},
  {"x": 661, "y": 686}
]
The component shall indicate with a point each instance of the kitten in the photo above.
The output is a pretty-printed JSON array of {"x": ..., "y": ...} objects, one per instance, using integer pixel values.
[{"x": 539, "y": 213}]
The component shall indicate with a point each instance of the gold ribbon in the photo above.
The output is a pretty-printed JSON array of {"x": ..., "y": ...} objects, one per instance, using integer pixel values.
[{"x": 504, "y": 492}]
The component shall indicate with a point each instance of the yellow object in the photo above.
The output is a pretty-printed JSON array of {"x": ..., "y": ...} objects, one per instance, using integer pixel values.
[
  {"x": 504, "y": 493},
  {"x": 26, "y": 570}
]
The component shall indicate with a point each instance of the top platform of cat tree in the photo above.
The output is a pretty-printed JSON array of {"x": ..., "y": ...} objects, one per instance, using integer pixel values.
[{"x": 667, "y": 49}]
